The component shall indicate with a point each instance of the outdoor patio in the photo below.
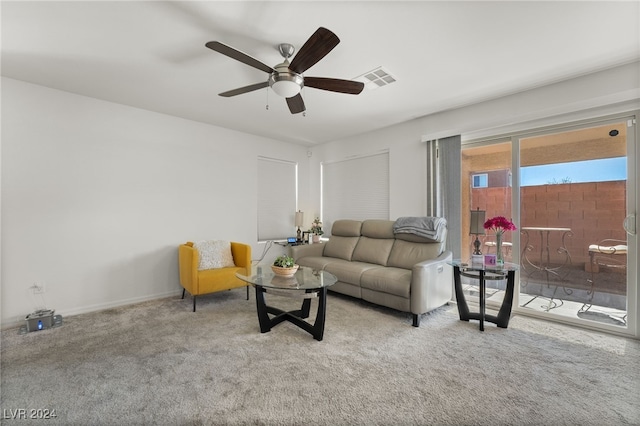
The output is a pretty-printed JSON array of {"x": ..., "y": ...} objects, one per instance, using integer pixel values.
[{"x": 570, "y": 297}]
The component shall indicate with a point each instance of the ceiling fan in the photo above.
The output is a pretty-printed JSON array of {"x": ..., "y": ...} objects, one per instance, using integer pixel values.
[{"x": 286, "y": 79}]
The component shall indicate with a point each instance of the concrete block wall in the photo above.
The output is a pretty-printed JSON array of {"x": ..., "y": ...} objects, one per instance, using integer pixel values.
[{"x": 594, "y": 211}]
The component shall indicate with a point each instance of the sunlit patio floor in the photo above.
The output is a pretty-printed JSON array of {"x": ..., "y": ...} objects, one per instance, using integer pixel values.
[{"x": 568, "y": 298}]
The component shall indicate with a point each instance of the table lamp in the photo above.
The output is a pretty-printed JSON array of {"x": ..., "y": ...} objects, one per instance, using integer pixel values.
[
  {"x": 477, "y": 228},
  {"x": 299, "y": 223}
]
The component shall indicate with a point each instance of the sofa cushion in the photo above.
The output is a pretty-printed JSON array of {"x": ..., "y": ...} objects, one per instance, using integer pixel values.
[
  {"x": 405, "y": 254},
  {"x": 372, "y": 250},
  {"x": 378, "y": 229},
  {"x": 349, "y": 272},
  {"x": 214, "y": 254},
  {"x": 389, "y": 280},
  {"x": 340, "y": 247},
  {"x": 346, "y": 228},
  {"x": 316, "y": 262}
]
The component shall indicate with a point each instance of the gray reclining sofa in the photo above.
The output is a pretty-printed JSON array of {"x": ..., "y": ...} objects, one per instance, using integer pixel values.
[{"x": 403, "y": 271}]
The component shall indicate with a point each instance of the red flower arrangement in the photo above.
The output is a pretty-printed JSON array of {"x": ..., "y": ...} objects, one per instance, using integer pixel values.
[{"x": 499, "y": 224}]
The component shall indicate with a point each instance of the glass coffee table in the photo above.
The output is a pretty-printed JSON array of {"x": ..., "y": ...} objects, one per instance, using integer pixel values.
[{"x": 306, "y": 283}]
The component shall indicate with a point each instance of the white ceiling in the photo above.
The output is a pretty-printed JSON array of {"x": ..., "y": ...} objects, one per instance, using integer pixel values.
[{"x": 151, "y": 55}]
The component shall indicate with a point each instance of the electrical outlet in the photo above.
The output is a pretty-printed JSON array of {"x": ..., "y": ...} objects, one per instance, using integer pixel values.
[{"x": 38, "y": 288}]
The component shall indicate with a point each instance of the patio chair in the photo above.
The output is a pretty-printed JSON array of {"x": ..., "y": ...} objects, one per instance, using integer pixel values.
[{"x": 610, "y": 254}]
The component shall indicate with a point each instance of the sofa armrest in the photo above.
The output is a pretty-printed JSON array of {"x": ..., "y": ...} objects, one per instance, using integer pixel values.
[
  {"x": 242, "y": 255},
  {"x": 431, "y": 283},
  {"x": 188, "y": 259},
  {"x": 305, "y": 250}
]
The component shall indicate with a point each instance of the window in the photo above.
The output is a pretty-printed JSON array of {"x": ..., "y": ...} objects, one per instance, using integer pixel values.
[
  {"x": 277, "y": 195},
  {"x": 480, "y": 181},
  {"x": 356, "y": 188}
]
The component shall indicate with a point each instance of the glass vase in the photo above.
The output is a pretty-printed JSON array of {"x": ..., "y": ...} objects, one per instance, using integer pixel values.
[{"x": 499, "y": 256}]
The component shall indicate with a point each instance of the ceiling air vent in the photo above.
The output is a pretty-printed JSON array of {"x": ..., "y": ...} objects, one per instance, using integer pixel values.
[{"x": 375, "y": 78}]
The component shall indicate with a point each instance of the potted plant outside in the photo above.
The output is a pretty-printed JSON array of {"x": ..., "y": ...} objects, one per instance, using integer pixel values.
[{"x": 284, "y": 265}]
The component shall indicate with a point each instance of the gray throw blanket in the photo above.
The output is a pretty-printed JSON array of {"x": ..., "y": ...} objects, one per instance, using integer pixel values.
[{"x": 429, "y": 227}]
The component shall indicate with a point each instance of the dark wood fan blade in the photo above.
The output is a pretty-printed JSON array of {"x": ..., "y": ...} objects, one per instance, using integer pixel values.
[
  {"x": 334, "y": 85},
  {"x": 315, "y": 48},
  {"x": 296, "y": 104},
  {"x": 245, "y": 89},
  {"x": 238, "y": 56}
]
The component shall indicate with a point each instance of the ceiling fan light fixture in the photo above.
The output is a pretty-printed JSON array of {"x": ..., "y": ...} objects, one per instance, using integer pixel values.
[
  {"x": 286, "y": 79},
  {"x": 286, "y": 84}
]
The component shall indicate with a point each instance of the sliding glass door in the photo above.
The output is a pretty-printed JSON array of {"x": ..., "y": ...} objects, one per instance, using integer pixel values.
[{"x": 572, "y": 192}]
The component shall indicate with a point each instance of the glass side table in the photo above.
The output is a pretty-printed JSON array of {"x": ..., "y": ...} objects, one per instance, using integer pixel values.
[{"x": 483, "y": 273}]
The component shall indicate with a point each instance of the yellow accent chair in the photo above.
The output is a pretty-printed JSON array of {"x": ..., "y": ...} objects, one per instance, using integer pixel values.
[{"x": 198, "y": 282}]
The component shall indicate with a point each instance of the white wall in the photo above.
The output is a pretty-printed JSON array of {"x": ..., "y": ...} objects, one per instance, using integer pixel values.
[
  {"x": 605, "y": 92},
  {"x": 97, "y": 196}
]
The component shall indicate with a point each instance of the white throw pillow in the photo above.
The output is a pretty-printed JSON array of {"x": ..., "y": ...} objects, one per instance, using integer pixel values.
[{"x": 214, "y": 254}]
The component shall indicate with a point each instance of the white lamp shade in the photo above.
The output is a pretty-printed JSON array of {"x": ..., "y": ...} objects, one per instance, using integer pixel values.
[{"x": 299, "y": 218}]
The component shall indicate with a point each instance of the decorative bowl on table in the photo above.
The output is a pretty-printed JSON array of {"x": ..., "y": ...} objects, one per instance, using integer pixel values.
[{"x": 284, "y": 272}]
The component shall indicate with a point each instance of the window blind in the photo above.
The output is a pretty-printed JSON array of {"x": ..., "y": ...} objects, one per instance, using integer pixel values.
[
  {"x": 356, "y": 188},
  {"x": 443, "y": 187},
  {"x": 277, "y": 184}
]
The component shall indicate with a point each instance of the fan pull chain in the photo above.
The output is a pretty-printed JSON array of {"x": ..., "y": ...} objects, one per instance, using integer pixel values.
[
  {"x": 267, "y": 108},
  {"x": 304, "y": 113}
]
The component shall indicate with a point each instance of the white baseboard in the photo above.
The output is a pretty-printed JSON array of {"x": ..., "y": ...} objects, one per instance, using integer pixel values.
[{"x": 100, "y": 306}]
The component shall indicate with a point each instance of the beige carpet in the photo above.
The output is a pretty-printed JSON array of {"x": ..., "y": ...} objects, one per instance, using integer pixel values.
[{"x": 160, "y": 363}]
